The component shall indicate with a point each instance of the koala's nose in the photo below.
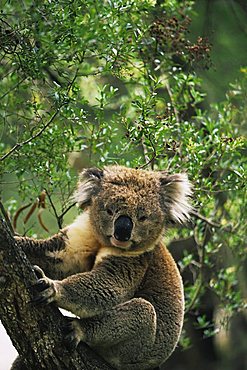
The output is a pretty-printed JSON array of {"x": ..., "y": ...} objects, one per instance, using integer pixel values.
[{"x": 122, "y": 228}]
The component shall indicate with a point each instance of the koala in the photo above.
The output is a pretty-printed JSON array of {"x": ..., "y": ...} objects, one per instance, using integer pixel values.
[{"x": 111, "y": 269}]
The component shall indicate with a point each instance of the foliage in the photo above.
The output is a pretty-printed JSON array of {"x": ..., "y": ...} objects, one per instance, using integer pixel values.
[{"x": 93, "y": 83}]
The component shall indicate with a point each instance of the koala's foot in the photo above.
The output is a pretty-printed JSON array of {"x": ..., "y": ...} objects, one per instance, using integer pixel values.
[
  {"x": 73, "y": 332},
  {"x": 44, "y": 290}
]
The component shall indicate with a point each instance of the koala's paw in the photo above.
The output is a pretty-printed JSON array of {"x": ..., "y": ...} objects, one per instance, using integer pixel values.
[
  {"x": 44, "y": 290},
  {"x": 73, "y": 333}
]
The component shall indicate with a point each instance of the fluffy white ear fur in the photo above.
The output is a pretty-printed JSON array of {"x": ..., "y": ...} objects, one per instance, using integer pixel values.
[
  {"x": 176, "y": 191},
  {"x": 88, "y": 185}
]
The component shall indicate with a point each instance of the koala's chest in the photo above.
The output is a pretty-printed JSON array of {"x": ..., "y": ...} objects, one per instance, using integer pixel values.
[
  {"x": 80, "y": 250},
  {"x": 72, "y": 261}
]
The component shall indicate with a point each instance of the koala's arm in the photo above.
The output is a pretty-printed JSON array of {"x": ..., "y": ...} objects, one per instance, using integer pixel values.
[
  {"x": 37, "y": 251},
  {"x": 87, "y": 294}
]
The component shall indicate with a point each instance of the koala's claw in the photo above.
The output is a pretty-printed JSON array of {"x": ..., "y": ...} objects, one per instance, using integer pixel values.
[
  {"x": 44, "y": 290},
  {"x": 39, "y": 300},
  {"x": 39, "y": 272},
  {"x": 72, "y": 333},
  {"x": 41, "y": 285}
]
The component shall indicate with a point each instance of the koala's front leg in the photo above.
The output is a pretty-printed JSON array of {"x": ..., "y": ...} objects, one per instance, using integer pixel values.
[
  {"x": 40, "y": 252},
  {"x": 110, "y": 283}
]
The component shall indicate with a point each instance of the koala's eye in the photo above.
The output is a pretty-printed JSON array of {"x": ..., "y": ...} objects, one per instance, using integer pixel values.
[
  {"x": 109, "y": 211},
  {"x": 142, "y": 218}
]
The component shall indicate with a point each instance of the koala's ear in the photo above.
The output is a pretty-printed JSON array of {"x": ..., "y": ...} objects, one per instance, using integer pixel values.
[
  {"x": 88, "y": 186},
  {"x": 175, "y": 192}
]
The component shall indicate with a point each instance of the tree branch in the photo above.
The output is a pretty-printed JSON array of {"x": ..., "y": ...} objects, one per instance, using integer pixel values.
[
  {"x": 17, "y": 146},
  {"x": 35, "y": 331},
  {"x": 13, "y": 88},
  {"x": 6, "y": 217},
  {"x": 209, "y": 222},
  {"x": 199, "y": 283}
]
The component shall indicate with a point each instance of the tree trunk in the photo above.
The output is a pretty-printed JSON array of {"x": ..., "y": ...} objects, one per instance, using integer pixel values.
[{"x": 35, "y": 330}]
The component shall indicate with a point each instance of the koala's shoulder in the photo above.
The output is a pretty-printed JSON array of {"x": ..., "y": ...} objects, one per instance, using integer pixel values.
[{"x": 165, "y": 268}]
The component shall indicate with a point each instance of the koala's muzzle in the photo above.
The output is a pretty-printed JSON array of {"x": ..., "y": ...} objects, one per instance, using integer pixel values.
[{"x": 122, "y": 228}]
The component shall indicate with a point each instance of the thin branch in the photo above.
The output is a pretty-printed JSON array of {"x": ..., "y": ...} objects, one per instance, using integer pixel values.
[
  {"x": 17, "y": 146},
  {"x": 199, "y": 280},
  {"x": 60, "y": 217},
  {"x": 70, "y": 85},
  {"x": 66, "y": 210},
  {"x": 209, "y": 222},
  {"x": 196, "y": 293},
  {"x": 148, "y": 160},
  {"x": 176, "y": 112},
  {"x": 145, "y": 153},
  {"x": 6, "y": 217},
  {"x": 54, "y": 209},
  {"x": 13, "y": 88}
]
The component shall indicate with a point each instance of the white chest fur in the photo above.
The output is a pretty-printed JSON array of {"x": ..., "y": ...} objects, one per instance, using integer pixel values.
[{"x": 81, "y": 246}]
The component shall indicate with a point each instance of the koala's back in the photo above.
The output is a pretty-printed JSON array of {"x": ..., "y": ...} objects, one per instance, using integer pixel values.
[{"x": 162, "y": 286}]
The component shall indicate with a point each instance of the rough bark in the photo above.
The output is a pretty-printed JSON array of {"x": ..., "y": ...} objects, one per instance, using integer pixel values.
[{"x": 35, "y": 331}]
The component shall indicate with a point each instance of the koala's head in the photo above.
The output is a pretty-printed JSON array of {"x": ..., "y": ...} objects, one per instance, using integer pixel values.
[{"x": 129, "y": 208}]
